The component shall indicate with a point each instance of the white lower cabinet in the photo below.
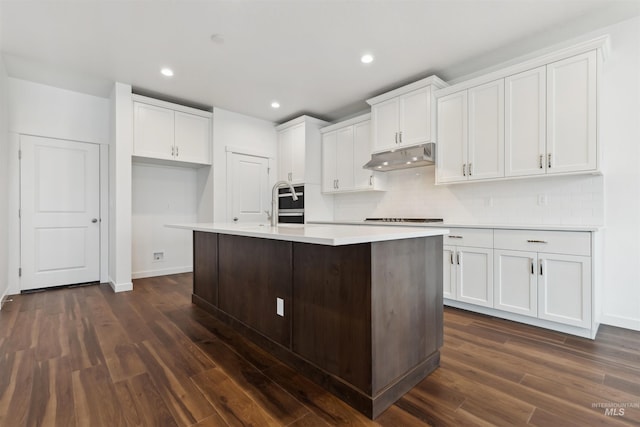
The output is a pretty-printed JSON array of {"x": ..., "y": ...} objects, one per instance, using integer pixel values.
[
  {"x": 546, "y": 276},
  {"x": 468, "y": 270}
]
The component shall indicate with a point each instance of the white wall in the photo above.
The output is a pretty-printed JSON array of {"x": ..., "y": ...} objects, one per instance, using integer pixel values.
[
  {"x": 4, "y": 182},
  {"x": 612, "y": 200},
  {"x": 237, "y": 130},
  {"x": 42, "y": 110},
  {"x": 620, "y": 136},
  {"x": 162, "y": 195}
]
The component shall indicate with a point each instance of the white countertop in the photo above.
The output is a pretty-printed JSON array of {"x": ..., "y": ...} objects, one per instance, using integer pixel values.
[
  {"x": 548, "y": 227},
  {"x": 320, "y": 234}
]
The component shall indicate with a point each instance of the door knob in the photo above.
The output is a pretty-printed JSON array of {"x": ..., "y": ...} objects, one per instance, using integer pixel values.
[
  {"x": 94, "y": 220},
  {"x": 235, "y": 219}
]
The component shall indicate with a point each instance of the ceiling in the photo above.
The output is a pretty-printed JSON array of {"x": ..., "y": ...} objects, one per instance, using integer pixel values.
[{"x": 303, "y": 53}]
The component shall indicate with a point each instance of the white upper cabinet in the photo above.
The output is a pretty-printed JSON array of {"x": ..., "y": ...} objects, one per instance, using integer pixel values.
[
  {"x": 525, "y": 121},
  {"x": 452, "y": 146},
  {"x": 346, "y": 147},
  {"x": 535, "y": 118},
  {"x": 404, "y": 116},
  {"x": 471, "y": 134},
  {"x": 299, "y": 150},
  {"x": 571, "y": 114},
  {"x": 485, "y": 157},
  {"x": 166, "y": 131},
  {"x": 291, "y": 154}
]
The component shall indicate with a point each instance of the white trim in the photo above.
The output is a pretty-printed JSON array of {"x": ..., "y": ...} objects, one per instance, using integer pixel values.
[
  {"x": 345, "y": 123},
  {"x": 620, "y": 322},
  {"x": 161, "y": 272},
  {"x": 247, "y": 151},
  {"x": 301, "y": 119},
  {"x": 121, "y": 287},
  {"x": 434, "y": 81},
  {"x": 170, "y": 105},
  {"x": 534, "y": 321},
  {"x": 528, "y": 62}
]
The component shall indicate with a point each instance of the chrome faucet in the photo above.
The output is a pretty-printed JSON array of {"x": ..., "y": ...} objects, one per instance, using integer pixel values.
[{"x": 274, "y": 200}]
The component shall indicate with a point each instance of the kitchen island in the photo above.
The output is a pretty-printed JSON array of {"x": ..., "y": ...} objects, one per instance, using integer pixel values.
[{"x": 357, "y": 309}]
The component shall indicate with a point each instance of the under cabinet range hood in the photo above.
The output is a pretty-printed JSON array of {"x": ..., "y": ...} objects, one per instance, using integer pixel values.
[{"x": 403, "y": 158}]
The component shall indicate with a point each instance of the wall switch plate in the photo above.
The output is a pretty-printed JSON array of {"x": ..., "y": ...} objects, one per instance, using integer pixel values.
[
  {"x": 158, "y": 256},
  {"x": 280, "y": 307},
  {"x": 542, "y": 200}
]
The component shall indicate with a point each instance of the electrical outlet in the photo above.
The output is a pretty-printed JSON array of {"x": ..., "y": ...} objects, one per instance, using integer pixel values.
[
  {"x": 158, "y": 256},
  {"x": 280, "y": 307},
  {"x": 542, "y": 200}
]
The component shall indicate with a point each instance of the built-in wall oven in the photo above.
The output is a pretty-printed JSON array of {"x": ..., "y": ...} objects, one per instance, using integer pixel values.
[{"x": 291, "y": 211}]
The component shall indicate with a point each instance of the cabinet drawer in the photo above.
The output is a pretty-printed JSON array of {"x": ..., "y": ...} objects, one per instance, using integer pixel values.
[
  {"x": 557, "y": 242},
  {"x": 481, "y": 238}
]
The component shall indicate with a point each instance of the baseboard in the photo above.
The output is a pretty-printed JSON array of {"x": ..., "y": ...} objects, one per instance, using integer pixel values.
[
  {"x": 3, "y": 298},
  {"x": 620, "y": 322},
  {"x": 161, "y": 272},
  {"x": 121, "y": 287}
]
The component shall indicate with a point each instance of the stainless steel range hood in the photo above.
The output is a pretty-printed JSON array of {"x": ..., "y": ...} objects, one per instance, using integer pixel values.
[{"x": 403, "y": 158}]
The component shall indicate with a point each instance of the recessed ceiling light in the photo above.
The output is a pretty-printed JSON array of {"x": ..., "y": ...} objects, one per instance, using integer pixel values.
[
  {"x": 366, "y": 59},
  {"x": 167, "y": 72},
  {"x": 275, "y": 104}
]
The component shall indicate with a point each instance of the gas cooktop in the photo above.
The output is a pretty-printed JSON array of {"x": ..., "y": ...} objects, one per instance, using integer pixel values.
[{"x": 418, "y": 220}]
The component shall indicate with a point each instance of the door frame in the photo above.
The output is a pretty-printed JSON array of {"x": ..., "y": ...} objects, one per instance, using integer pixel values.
[
  {"x": 14, "y": 203},
  {"x": 230, "y": 150}
]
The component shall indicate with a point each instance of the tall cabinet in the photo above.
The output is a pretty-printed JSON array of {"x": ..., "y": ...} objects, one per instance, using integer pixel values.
[{"x": 299, "y": 154}]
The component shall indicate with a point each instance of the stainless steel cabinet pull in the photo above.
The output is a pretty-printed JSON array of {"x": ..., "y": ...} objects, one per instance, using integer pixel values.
[
  {"x": 453, "y": 236},
  {"x": 337, "y": 184},
  {"x": 400, "y": 137},
  {"x": 370, "y": 180},
  {"x": 451, "y": 257},
  {"x": 469, "y": 169},
  {"x": 549, "y": 161},
  {"x": 177, "y": 151},
  {"x": 537, "y": 241},
  {"x": 532, "y": 268},
  {"x": 464, "y": 169},
  {"x": 458, "y": 257},
  {"x": 173, "y": 151},
  {"x": 541, "y": 164},
  {"x": 396, "y": 137}
]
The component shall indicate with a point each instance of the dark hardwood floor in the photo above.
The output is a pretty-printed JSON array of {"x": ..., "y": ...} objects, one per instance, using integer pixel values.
[{"x": 89, "y": 357}]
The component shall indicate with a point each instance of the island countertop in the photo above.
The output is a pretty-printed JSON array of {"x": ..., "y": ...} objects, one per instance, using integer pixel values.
[{"x": 320, "y": 234}]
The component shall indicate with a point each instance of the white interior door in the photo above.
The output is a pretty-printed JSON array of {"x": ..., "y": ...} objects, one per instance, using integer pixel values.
[
  {"x": 60, "y": 211},
  {"x": 248, "y": 188}
]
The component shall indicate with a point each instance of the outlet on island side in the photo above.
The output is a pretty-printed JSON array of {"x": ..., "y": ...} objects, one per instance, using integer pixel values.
[
  {"x": 158, "y": 256},
  {"x": 280, "y": 307}
]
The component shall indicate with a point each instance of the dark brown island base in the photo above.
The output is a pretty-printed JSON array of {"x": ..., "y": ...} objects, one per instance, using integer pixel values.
[{"x": 363, "y": 319}]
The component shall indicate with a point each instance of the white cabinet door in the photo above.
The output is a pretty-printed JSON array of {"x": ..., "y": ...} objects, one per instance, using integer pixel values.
[
  {"x": 516, "y": 282},
  {"x": 564, "y": 289},
  {"x": 452, "y": 137},
  {"x": 385, "y": 119},
  {"x": 192, "y": 138},
  {"x": 344, "y": 159},
  {"x": 449, "y": 268},
  {"x": 415, "y": 117},
  {"x": 475, "y": 276},
  {"x": 153, "y": 131},
  {"x": 361, "y": 155},
  {"x": 329, "y": 167},
  {"x": 285, "y": 154},
  {"x": 298, "y": 159},
  {"x": 525, "y": 123},
  {"x": 486, "y": 131},
  {"x": 571, "y": 114}
]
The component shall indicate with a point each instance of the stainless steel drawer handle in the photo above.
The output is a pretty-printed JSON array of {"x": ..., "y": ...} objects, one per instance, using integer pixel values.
[
  {"x": 455, "y": 237},
  {"x": 537, "y": 241}
]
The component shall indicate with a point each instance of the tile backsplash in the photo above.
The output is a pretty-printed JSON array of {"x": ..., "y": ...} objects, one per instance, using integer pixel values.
[{"x": 559, "y": 200}]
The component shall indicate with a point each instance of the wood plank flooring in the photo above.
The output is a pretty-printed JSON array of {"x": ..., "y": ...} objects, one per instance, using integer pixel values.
[{"x": 89, "y": 357}]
